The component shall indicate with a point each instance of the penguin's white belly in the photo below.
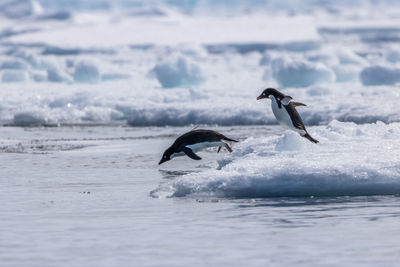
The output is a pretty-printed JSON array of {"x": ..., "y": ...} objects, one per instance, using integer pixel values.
[
  {"x": 283, "y": 117},
  {"x": 199, "y": 146}
]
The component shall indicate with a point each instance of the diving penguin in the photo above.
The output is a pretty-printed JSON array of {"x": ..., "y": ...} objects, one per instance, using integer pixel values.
[
  {"x": 194, "y": 141},
  {"x": 284, "y": 109}
]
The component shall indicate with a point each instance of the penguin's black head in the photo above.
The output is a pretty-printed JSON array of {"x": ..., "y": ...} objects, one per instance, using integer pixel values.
[
  {"x": 167, "y": 155},
  {"x": 271, "y": 91}
]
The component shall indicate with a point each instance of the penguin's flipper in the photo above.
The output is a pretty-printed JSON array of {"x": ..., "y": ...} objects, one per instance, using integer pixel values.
[
  {"x": 229, "y": 139},
  {"x": 219, "y": 149},
  {"x": 297, "y": 104},
  {"x": 285, "y": 101},
  {"x": 228, "y": 148},
  {"x": 190, "y": 153}
]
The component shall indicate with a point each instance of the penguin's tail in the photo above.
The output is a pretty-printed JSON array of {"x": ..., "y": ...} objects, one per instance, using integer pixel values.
[
  {"x": 315, "y": 141},
  {"x": 228, "y": 139}
]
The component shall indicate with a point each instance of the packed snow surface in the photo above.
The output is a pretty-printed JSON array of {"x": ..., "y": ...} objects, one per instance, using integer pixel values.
[{"x": 349, "y": 160}]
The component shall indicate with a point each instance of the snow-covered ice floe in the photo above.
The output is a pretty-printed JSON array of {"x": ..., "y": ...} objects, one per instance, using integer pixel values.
[{"x": 349, "y": 160}]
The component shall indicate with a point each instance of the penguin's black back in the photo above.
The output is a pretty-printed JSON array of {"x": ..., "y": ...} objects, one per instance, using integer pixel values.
[{"x": 198, "y": 136}]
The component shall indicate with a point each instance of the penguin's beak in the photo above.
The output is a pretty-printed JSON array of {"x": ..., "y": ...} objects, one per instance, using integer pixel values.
[
  {"x": 260, "y": 97},
  {"x": 162, "y": 161}
]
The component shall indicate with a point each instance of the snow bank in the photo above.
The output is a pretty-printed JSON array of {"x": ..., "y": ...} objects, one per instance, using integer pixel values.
[
  {"x": 194, "y": 115},
  {"x": 86, "y": 72},
  {"x": 246, "y": 32},
  {"x": 178, "y": 72},
  {"x": 380, "y": 75},
  {"x": 296, "y": 73},
  {"x": 39, "y": 76},
  {"x": 16, "y": 9},
  {"x": 28, "y": 57},
  {"x": 207, "y": 87},
  {"x": 11, "y": 76},
  {"x": 266, "y": 59},
  {"x": 14, "y": 64},
  {"x": 348, "y": 56},
  {"x": 29, "y": 118},
  {"x": 393, "y": 56},
  {"x": 56, "y": 72},
  {"x": 59, "y": 15},
  {"x": 350, "y": 160},
  {"x": 346, "y": 73}
]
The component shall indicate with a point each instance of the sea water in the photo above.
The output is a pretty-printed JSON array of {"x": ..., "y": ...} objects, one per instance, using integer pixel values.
[{"x": 95, "y": 196}]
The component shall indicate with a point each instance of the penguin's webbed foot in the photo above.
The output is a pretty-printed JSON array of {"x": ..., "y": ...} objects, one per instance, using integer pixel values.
[{"x": 228, "y": 148}]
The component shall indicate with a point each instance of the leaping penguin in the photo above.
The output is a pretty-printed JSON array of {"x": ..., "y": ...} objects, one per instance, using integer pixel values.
[
  {"x": 284, "y": 109},
  {"x": 194, "y": 141}
]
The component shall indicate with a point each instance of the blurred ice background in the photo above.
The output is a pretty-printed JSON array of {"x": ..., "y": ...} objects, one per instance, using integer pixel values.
[
  {"x": 196, "y": 62},
  {"x": 95, "y": 196}
]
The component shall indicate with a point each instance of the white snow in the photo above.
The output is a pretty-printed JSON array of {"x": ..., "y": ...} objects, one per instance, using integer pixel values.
[
  {"x": 213, "y": 64},
  {"x": 29, "y": 118},
  {"x": 345, "y": 162},
  {"x": 55, "y": 75},
  {"x": 292, "y": 73},
  {"x": 178, "y": 30},
  {"x": 346, "y": 73},
  {"x": 86, "y": 72},
  {"x": 17, "y": 9},
  {"x": 178, "y": 72},
  {"x": 380, "y": 75},
  {"x": 14, "y": 64},
  {"x": 12, "y": 76}
]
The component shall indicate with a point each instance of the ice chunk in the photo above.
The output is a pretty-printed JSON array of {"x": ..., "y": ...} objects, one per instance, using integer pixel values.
[
  {"x": 318, "y": 91},
  {"x": 178, "y": 72},
  {"x": 350, "y": 160},
  {"x": 86, "y": 72},
  {"x": 393, "y": 56},
  {"x": 326, "y": 57},
  {"x": 266, "y": 59},
  {"x": 297, "y": 73},
  {"x": 29, "y": 57},
  {"x": 39, "y": 77},
  {"x": 186, "y": 116},
  {"x": 290, "y": 141},
  {"x": 346, "y": 73},
  {"x": 14, "y": 64},
  {"x": 10, "y": 76},
  {"x": 348, "y": 56},
  {"x": 148, "y": 12},
  {"x": 20, "y": 8},
  {"x": 58, "y": 15},
  {"x": 304, "y": 45},
  {"x": 57, "y": 75},
  {"x": 30, "y": 118},
  {"x": 114, "y": 76},
  {"x": 380, "y": 75}
]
